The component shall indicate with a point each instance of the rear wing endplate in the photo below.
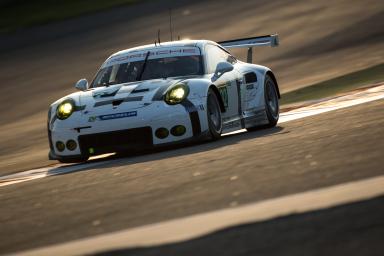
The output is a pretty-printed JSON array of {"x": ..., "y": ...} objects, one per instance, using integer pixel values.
[{"x": 269, "y": 40}]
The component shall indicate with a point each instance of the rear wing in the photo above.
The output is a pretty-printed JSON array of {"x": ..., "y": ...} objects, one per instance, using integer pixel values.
[{"x": 269, "y": 40}]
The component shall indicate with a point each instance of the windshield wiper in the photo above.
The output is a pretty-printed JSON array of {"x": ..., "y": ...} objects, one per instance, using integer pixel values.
[{"x": 138, "y": 77}]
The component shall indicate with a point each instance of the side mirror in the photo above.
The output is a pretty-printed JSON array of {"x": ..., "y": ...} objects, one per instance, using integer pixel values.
[
  {"x": 82, "y": 84},
  {"x": 223, "y": 67}
]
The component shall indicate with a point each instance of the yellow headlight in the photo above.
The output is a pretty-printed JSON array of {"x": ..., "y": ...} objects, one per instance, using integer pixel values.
[
  {"x": 65, "y": 109},
  {"x": 177, "y": 94}
]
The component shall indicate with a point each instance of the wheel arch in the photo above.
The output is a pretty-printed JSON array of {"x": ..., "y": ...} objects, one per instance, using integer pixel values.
[
  {"x": 218, "y": 95},
  {"x": 270, "y": 73}
]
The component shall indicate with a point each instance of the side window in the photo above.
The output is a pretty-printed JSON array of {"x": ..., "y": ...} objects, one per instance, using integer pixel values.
[
  {"x": 102, "y": 77},
  {"x": 214, "y": 56}
]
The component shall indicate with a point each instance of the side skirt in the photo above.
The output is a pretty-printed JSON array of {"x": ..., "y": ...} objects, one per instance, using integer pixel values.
[{"x": 247, "y": 120}]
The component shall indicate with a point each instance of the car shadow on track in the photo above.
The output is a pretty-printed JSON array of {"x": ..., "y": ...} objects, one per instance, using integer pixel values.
[{"x": 128, "y": 158}]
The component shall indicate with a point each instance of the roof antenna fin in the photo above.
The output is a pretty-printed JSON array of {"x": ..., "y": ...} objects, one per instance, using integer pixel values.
[
  {"x": 170, "y": 23},
  {"x": 158, "y": 36}
]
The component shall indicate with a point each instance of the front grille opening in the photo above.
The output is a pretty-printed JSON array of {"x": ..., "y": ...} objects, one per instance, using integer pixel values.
[{"x": 122, "y": 140}]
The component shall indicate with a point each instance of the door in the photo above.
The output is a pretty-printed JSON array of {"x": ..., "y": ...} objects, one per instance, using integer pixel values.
[{"x": 228, "y": 85}]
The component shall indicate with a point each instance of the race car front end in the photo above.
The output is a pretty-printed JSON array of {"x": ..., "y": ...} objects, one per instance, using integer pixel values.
[{"x": 124, "y": 117}]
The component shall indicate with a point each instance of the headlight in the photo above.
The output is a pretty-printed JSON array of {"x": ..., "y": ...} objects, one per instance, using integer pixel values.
[
  {"x": 65, "y": 109},
  {"x": 176, "y": 94}
]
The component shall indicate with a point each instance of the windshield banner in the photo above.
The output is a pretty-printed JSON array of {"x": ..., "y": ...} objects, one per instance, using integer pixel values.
[{"x": 154, "y": 54}]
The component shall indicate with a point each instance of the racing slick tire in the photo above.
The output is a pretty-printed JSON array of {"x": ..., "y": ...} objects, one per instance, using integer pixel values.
[
  {"x": 271, "y": 104},
  {"x": 215, "y": 122}
]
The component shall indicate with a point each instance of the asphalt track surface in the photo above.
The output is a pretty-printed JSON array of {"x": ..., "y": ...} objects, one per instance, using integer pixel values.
[
  {"x": 296, "y": 156},
  {"x": 319, "y": 40},
  {"x": 341, "y": 230}
]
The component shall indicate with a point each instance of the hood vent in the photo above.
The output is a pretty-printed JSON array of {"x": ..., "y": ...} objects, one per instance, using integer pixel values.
[
  {"x": 117, "y": 102},
  {"x": 140, "y": 90}
]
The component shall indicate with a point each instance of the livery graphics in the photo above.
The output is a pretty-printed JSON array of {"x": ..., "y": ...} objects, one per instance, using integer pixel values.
[
  {"x": 112, "y": 116},
  {"x": 224, "y": 95}
]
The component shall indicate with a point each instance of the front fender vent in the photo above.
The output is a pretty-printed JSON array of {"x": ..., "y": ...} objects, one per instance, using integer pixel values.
[{"x": 250, "y": 78}]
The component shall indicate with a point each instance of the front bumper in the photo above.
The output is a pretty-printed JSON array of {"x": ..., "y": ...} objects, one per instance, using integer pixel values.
[
  {"x": 139, "y": 131},
  {"x": 108, "y": 148}
]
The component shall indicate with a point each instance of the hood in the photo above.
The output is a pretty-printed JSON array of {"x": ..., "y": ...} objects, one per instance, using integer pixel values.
[{"x": 135, "y": 94}]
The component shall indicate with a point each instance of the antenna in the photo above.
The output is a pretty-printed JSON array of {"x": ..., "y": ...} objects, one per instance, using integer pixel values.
[
  {"x": 170, "y": 23},
  {"x": 158, "y": 36}
]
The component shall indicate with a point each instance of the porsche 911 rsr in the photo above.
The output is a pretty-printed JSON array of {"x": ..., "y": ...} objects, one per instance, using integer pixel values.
[{"x": 161, "y": 94}]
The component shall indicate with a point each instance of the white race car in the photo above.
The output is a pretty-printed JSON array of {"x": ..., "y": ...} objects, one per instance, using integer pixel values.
[{"x": 165, "y": 93}]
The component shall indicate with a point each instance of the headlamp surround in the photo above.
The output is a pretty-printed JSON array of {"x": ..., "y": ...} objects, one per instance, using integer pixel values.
[
  {"x": 65, "y": 109},
  {"x": 176, "y": 94}
]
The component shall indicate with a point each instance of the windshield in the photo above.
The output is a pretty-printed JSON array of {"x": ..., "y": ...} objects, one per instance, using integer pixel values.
[{"x": 154, "y": 68}]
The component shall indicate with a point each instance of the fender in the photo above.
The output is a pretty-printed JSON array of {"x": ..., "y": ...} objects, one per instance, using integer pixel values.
[
  {"x": 263, "y": 71},
  {"x": 218, "y": 95},
  {"x": 270, "y": 73}
]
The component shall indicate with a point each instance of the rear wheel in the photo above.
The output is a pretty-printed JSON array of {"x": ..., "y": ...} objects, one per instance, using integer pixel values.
[
  {"x": 215, "y": 123},
  {"x": 271, "y": 104}
]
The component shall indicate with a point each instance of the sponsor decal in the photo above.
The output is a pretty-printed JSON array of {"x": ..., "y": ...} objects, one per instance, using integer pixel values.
[
  {"x": 162, "y": 52},
  {"x": 175, "y": 51},
  {"x": 118, "y": 115},
  {"x": 92, "y": 118},
  {"x": 224, "y": 95},
  {"x": 135, "y": 56},
  {"x": 121, "y": 58},
  {"x": 189, "y": 50},
  {"x": 250, "y": 86},
  {"x": 112, "y": 116},
  {"x": 249, "y": 98}
]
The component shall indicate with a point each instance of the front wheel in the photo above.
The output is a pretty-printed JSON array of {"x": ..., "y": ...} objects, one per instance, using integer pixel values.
[{"x": 215, "y": 123}]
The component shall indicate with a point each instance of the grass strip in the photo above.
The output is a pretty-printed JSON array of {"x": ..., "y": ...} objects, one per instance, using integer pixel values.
[{"x": 337, "y": 85}]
